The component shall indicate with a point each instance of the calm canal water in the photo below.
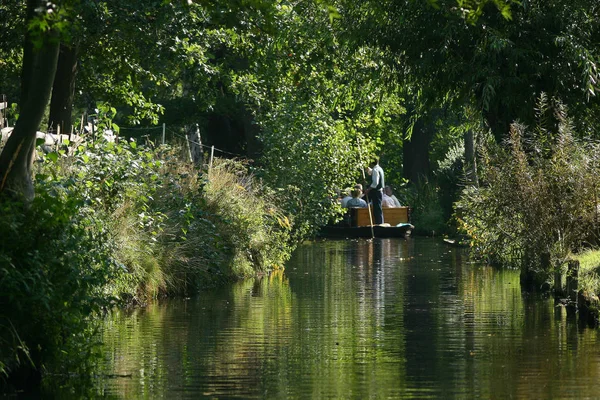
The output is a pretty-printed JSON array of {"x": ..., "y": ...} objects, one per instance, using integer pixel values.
[{"x": 356, "y": 319}]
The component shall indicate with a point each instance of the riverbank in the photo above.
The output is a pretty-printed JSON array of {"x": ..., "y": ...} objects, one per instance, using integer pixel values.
[
  {"x": 115, "y": 224},
  {"x": 588, "y": 288}
]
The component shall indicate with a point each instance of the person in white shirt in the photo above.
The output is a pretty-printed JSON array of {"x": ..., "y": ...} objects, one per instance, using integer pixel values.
[
  {"x": 388, "y": 191},
  {"x": 387, "y": 201},
  {"x": 375, "y": 190}
]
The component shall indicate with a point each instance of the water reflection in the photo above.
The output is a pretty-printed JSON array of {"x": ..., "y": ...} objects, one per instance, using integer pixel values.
[{"x": 355, "y": 319}]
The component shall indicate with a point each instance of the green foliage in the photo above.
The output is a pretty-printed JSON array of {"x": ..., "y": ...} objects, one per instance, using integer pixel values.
[
  {"x": 316, "y": 156},
  {"x": 118, "y": 180},
  {"x": 473, "y": 10},
  {"x": 474, "y": 54},
  {"x": 538, "y": 195},
  {"x": 320, "y": 112},
  {"x": 220, "y": 226},
  {"x": 589, "y": 271},
  {"x": 240, "y": 220},
  {"x": 255, "y": 229},
  {"x": 175, "y": 230},
  {"x": 427, "y": 213},
  {"x": 453, "y": 171},
  {"x": 55, "y": 259},
  {"x": 121, "y": 222}
]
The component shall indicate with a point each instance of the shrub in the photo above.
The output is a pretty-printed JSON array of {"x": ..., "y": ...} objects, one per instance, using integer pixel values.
[
  {"x": 115, "y": 223},
  {"x": 427, "y": 213},
  {"x": 538, "y": 196},
  {"x": 230, "y": 226},
  {"x": 55, "y": 259},
  {"x": 589, "y": 271}
]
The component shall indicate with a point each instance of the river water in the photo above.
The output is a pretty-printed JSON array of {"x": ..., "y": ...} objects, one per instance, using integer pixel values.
[{"x": 388, "y": 318}]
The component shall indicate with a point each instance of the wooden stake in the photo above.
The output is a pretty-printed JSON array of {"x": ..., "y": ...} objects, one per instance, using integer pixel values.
[
  {"x": 187, "y": 145},
  {"x": 58, "y": 138}
]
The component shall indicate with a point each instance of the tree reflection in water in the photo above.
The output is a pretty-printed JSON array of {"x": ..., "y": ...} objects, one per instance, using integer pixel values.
[{"x": 380, "y": 318}]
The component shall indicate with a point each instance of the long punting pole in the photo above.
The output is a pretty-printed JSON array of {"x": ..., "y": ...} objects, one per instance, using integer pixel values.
[{"x": 365, "y": 179}]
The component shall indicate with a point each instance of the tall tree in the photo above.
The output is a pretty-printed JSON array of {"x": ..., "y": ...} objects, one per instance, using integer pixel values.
[
  {"x": 501, "y": 64},
  {"x": 40, "y": 57},
  {"x": 63, "y": 89}
]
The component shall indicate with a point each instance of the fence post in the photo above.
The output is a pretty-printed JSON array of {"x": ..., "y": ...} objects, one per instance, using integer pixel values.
[
  {"x": 163, "y": 134},
  {"x": 3, "y": 112},
  {"x": 558, "y": 286},
  {"x": 93, "y": 130},
  {"x": 189, "y": 151},
  {"x": 212, "y": 154},
  {"x": 58, "y": 138}
]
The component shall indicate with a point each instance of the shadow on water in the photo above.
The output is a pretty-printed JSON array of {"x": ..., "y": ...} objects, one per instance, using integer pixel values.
[{"x": 353, "y": 319}]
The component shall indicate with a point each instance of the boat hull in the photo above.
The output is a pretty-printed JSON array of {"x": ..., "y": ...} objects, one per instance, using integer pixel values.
[{"x": 340, "y": 232}]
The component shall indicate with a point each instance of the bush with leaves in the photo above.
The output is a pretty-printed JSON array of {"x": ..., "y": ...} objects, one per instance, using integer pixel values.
[
  {"x": 175, "y": 228},
  {"x": 309, "y": 158},
  {"x": 118, "y": 181},
  {"x": 115, "y": 223},
  {"x": 427, "y": 213},
  {"x": 538, "y": 199},
  {"x": 226, "y": 225},
  {"x": 55, "y": 260}
]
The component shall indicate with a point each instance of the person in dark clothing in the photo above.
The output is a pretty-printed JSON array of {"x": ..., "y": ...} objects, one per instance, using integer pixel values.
[{"x": 375, "y": 190}]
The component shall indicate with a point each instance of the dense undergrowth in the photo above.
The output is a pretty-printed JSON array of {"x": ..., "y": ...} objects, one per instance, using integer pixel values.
[
  {"x": 537, "y": 205},
  {"x": 115, "y": 224}
]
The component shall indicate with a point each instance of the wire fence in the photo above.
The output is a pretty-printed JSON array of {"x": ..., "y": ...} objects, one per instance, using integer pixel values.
[
  {"x": 156, "y": 132},
  {"x": 179, "y": 135}
]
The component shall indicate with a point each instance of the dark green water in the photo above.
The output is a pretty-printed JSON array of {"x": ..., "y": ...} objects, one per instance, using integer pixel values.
[{"x": 356, "y": 319}]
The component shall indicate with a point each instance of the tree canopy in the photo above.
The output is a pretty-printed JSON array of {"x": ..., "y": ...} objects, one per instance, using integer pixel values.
[
  {"x": 302, "y": 85},
  {"x": 499, "y": 61}
]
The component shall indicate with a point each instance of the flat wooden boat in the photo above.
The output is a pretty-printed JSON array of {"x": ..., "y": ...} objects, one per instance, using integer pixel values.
[
  {"x": 341, "y": 232},
  {"x": 357, "y": 224}
]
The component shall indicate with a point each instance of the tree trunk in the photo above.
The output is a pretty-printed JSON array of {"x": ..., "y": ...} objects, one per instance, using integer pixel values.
[
  {"x": 63, "y": 91},
  {"x": 28, "y": 54},
  {"x": 39, "y": 68},
  {"x": 470, "y": 159},
  {"x": 498, "y": 125},
  {"x": 416, "y": 164}
]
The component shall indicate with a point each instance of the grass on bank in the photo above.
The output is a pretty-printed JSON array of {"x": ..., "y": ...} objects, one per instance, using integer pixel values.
[
  {"x": 115, "y": 223},
  {"x": 589, "y": 273}
]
